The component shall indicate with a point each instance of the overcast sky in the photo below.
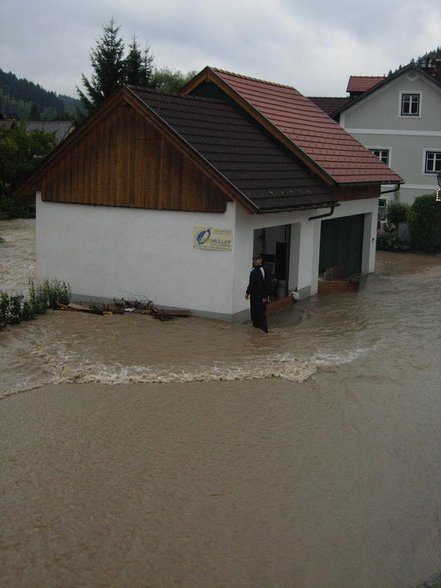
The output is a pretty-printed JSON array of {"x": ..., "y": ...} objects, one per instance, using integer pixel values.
[{"x": 313, "y": 45}]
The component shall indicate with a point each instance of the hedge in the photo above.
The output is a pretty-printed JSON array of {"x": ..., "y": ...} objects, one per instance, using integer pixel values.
[{"x": 424, "y": 221}]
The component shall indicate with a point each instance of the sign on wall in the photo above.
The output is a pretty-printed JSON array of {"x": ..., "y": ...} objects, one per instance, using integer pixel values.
[{"x": 210, "y": 238}]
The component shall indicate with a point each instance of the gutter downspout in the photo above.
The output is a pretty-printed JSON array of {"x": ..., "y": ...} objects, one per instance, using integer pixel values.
[{"x": 330, "y": 213}]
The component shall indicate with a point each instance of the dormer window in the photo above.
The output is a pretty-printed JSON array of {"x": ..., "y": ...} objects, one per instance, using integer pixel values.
[{"x": 410, "y": 104}]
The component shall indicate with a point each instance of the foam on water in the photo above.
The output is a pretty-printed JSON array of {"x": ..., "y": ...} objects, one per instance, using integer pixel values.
[
  {"x": 296, "y": 371},
  {"x": 62, "y": 368},
  {"x": 54, "y": 363},
  {"x": 327, "y": 359}
]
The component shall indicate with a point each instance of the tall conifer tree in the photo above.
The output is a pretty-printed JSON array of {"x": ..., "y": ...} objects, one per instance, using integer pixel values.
[
  {"x": 108, "y": 69},
  {"x": 138, "y": 66}
]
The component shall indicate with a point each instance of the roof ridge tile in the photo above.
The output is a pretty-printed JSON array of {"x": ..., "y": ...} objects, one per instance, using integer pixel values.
[
  {"x": 189, "y": 97},
  {"x": 252, "y": 79}
]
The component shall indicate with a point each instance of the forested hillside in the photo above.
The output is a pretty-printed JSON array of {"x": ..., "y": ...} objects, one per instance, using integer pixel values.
[
  {"x": 22, "y": 99},
  {"x": 422, "y": 60},
  {"x": 436, "y": 53}
]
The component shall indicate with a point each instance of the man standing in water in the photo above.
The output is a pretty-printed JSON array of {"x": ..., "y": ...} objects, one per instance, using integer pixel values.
[{"x": 258, "y": 291}]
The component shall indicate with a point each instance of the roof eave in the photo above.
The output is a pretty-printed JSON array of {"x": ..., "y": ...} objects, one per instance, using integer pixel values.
[
  {"x": 370, "y": 183},
  {"x": 298, "y": 208}
]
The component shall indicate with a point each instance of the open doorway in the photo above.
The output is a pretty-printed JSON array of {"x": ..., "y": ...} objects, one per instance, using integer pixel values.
[{"x": 273, "y": 244}]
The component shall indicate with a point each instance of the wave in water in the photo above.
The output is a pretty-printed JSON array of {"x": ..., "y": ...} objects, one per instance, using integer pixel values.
[
  {"x": 61, "y": 367},
  {"x": 334, "y": 359}
]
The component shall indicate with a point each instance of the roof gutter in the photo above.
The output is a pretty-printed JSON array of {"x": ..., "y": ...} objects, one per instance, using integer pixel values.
[
  {"x": 396, "y": 187},
  {"x": 330, "y": 213},
  {"x": 300, "y": 208}
]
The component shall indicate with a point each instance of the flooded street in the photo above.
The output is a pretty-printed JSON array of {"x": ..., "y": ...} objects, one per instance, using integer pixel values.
[
  {"x": 17, "y": 255},
  {"x": 194, "y": 452}
]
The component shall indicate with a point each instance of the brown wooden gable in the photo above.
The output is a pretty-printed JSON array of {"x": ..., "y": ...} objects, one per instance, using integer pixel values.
[{"x": 123, "y": 158}]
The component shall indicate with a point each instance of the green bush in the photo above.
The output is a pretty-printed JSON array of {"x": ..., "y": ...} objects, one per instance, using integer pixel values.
[
  {"x": 17, "y": 308},
  {"x": 9, "y": 208},
  {"x": 4, "y": 309},
  {"x": 424, "y": 220},
  {"x": 396, "y": 212},
  {"x": 390, "y": 240}
]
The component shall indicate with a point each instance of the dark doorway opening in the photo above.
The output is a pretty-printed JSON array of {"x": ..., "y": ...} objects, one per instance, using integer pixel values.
[
  {"x": 273, "y": 244},
  {"x": 341, "y": 245}
]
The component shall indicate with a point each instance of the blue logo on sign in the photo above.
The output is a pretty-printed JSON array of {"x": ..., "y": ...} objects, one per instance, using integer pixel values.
[{"x": 203, "y": 236}]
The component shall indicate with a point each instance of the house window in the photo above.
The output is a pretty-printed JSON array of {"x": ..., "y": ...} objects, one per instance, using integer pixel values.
[
  {"x": 382, "y": 154},
  {"x": 433, "y": 162},
  {"x": 410, "y": 104}
]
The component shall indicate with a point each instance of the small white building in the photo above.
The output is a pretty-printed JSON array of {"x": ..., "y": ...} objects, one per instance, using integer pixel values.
[{"x": 168, "y": 196}]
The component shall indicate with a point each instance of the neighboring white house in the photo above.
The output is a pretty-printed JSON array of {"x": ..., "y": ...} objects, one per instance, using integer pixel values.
[
  {"x": 169, "y": 196},
  {"x": 398, "y": 118}
]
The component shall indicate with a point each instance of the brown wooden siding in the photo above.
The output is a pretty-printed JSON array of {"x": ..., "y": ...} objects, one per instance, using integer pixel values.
[
  {"x": 357, "y": 192},
  {"x": 125, "y": 161}
]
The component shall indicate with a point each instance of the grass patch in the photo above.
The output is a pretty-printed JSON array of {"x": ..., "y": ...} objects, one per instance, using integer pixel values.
[{"x": 16, "y": 308}]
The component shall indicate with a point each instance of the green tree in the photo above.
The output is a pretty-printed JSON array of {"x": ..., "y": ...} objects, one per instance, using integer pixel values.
[
  {"x": 108, "y": 69},
  {"x": 425, "y": 224},
  {"x": 111, "y": 69},
  {"x": 397, "y": 211},
  {"x": 138, "y": 66},
  {"x": 436, "y": 53},
  {"x": 170, "y": 80},
  {"x": 20, "y": 153}
]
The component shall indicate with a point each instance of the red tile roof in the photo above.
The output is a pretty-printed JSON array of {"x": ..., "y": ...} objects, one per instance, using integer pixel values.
[
  {"x": 363, "y": 83},
  {"x": 316, "y": 138}
]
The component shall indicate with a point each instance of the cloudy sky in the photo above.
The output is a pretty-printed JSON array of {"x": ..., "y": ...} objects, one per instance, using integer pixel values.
[{"x": 313, "y": 45}]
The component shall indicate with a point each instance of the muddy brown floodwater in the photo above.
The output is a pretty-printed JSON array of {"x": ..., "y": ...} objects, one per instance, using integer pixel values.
[{"x": 196, "y": 453}]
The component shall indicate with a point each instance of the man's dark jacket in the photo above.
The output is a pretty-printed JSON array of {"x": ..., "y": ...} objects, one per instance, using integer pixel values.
[{"x": 259, "y": 286}]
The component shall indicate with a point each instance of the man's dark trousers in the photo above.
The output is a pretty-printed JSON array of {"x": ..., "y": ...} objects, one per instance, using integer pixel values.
[{"x": 258, "y": 313}]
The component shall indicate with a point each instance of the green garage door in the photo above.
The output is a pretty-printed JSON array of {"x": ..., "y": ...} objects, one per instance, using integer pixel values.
[{"x": 341, "y": 243}]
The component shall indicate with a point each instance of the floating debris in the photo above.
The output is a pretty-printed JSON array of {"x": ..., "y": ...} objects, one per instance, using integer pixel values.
[
  {"x": 167, "y": 314},
  {"x": 121, "y": 307}
]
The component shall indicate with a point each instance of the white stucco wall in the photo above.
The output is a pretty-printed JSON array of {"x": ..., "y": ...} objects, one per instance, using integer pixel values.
[
  {"x": 113, "y": 253},
  {"x": 108, "y": 252}
]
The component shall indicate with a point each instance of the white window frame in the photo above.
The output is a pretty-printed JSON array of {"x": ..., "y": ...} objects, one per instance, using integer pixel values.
[
  {"x": 382, "y": 207},
  {"x": 435, "y": 171},
  {"x": 420, "y": 104},
  {"x": 382, "y": 149}
]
